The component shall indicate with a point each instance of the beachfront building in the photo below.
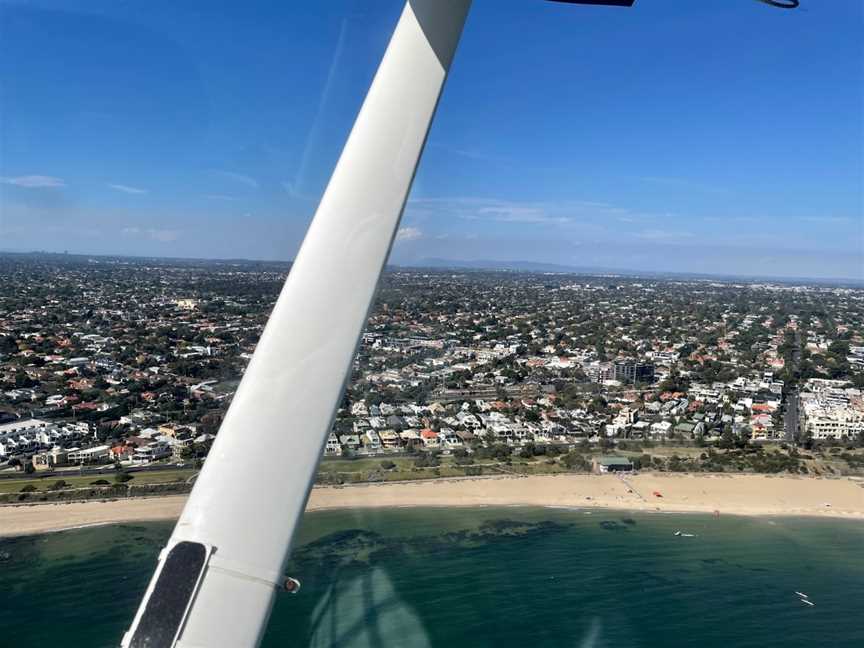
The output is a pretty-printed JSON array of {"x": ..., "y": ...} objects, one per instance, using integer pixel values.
[
  {"x": 833, "y": 423},
  {"x": 333, "y": 447},
  {"x": 831, "y": 410},
  {"x": 151, "y": 452},
  {"x": 610, "y": 464},
  {"x": 98, "y": 454},
  {"x": 49, "y": 460}
]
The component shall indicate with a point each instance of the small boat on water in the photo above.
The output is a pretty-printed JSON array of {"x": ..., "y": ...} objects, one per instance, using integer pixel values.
[
  {"x": 688, "y": 535},
  {"x": 677, "y": 533},
  {"x": 804, "y": 600},
  {"x": 801, "y": 594}
]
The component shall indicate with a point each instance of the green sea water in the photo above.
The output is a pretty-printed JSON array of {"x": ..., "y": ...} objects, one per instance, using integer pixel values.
[{"x": 482, "y": 578}]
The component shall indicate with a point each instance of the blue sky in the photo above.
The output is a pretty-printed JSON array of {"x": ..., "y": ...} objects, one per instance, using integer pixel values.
[{"x": 721, "y": 136}]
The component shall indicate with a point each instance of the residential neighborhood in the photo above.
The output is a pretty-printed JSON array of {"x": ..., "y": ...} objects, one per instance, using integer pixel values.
[{"x": 133, "y": 362}]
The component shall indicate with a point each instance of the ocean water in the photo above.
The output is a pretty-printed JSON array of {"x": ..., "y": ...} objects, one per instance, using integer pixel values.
[{"x": 482, "y": 578}]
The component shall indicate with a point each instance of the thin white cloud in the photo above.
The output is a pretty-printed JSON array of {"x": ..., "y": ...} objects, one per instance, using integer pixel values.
[
  {"x": 160, "y": 235},
  {"x": 408, "y": 234},
  {"x": 249, "y": 181},
  {"x": 682, "y": 183},
  {"x": 291, "y": 188},
  {"x": 509, "y": 213},
  {"x": 668, "y": 236},
  {"x": 127, "y": 189},
  {"x": 35, "y": 182},
  {"x": 471, "y": 154},
  {"x": 827, "y": 220},
  {"x": 163, "y": 235},
  {"x": 495, "y": 210},
  {"x": 484, "y": 209}
]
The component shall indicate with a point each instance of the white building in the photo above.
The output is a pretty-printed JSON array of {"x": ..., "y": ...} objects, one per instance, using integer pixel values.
[{"x": 97, "y": 454}]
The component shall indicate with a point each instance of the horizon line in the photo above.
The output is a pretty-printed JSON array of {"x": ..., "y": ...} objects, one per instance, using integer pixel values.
[{"x": 439, "y": 264}]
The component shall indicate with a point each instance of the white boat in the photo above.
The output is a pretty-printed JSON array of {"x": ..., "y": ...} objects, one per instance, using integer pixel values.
[
  {"x": 801, "y": 594},
  {"x": 688, "y": 535},
  {"x": 677, "y": 533},
  {"x": 804, "y": 600}
]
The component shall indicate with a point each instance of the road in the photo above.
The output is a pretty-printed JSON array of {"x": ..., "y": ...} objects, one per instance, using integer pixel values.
[
  {"x": 790, "y": 417},
  {"x": 103, "y": 469},
  {"x": 791, "y": 420}
]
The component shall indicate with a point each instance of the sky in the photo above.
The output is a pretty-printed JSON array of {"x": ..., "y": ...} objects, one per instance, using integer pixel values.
[{"x": 721, "y": 137}]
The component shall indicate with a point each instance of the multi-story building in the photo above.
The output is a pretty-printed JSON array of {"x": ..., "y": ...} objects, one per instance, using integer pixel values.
[{"x": 630, "y": 372}]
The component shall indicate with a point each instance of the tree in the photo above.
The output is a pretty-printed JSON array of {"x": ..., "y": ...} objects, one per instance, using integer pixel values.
[
  {"x": 674, "y": 383},
  {"x": 426, "y": 460},
  {"x": 532, "y": 416},
  {"x": 575, "y": 461}
]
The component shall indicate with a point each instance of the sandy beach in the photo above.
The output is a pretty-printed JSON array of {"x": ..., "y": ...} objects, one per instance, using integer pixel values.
[{"x": 726, "y": 494}]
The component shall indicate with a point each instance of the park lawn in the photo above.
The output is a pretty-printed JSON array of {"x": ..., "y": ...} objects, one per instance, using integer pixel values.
[
  {"x": 75, "y": 481},
  {"x": 366, "y": 464}
]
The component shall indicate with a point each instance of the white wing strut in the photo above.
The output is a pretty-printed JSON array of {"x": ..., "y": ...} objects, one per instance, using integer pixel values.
[{"x": 217, "y": 576}]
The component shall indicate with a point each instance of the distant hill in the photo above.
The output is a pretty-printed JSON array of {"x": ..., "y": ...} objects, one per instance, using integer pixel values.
[
  {"x": 431, "y": 263},
  {"x": 522, "y": 266},
  {"x": 534, "y": 266}
]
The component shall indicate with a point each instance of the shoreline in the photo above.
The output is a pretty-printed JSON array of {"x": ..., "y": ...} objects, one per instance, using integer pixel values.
[{"x": 748, "y": 495}]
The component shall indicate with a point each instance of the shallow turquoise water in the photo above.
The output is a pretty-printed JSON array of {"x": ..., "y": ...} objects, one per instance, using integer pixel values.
[{"x": 482, "y": 577}]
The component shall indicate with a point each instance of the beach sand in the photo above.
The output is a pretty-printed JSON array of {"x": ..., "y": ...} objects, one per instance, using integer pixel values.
[{"x": 726, "y": 494}]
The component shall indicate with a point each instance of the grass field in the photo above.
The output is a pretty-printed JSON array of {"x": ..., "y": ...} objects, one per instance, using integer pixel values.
[
  {"x": 74, "y": 481},
  {"x": 338, "y": 470}
]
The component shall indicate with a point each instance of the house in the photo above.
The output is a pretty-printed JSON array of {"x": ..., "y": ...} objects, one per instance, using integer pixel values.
[
  {"x": 661, "y": 428},
  {"x": 350, "y": 441},
  {"x": 151, "y": 452},
  {"x": 390, "y": 439},
  {"x": 465, "y": 436},
  {"x": 49, "y": 460},
  {"x": 126, "y": 450},
  {"x": 95, "y": 455},
  {"x": 449, "y": 439},
  {"x": 371, "y": 441},
  {"x": 23, "y": 425},
  {"x": 180, "y": 443},
  {"x": 333, "y": 446},
  {"x": 685, "y": 429},
  {"x": 409, "y": 436},
  {"x": 430, "y": 438}
]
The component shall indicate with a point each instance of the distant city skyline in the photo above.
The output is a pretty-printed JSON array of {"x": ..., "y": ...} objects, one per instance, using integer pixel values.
[{"x": 724, "y": 139}]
